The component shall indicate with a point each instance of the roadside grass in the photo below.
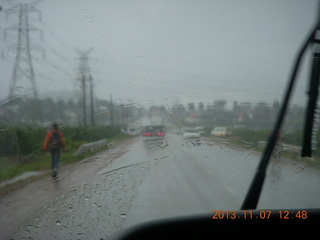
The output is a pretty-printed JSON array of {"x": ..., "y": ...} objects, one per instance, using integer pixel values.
[
  {"x": 253, "y": 146},
  {"x": 40, "y": 161}
]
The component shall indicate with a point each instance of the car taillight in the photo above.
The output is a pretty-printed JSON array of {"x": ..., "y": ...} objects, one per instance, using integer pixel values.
[
  {"x": 160, "y": 133},
  {"x": 146, "y": 134}
]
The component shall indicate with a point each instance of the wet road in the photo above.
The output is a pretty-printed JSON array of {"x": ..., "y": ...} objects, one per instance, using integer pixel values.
[{"x": 133, "y": 183}]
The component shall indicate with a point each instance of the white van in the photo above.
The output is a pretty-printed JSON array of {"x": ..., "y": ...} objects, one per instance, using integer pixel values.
[{"x": 220, "y": 132}]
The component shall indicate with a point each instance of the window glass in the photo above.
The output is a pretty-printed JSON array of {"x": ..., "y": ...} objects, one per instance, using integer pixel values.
[{"x": 114, "y": 113}]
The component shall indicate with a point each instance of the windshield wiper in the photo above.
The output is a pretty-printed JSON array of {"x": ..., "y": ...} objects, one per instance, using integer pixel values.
[
  {"x": 253, "y": 194},
  {"x": 313, "y": 97}
]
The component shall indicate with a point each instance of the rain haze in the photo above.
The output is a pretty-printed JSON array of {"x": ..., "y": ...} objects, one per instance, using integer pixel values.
[
  {"x": 159, "y": 52},
  {"x": 115, "y": 113}
]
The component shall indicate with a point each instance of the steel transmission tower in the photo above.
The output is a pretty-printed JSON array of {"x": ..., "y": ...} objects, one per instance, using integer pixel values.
[
  {"x": 84, "y": 77},
  {"x": 23, "y": 76}
]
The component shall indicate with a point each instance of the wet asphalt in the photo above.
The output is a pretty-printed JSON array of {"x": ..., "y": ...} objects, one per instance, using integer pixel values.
[{"x": 136, "y": 182}]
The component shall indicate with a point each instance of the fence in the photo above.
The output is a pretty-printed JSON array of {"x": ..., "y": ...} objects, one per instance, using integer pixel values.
[{"x": 92, "y": 146}]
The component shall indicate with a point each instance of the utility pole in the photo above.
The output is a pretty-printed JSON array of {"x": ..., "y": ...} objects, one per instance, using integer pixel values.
[
  {"x": 91, "y": 100},
  {"x": 84, "y": 76},
  {"x": 83, "y": 82},
  {"x": 111, "y": 110},
  {"x": 23, "y": 76}
]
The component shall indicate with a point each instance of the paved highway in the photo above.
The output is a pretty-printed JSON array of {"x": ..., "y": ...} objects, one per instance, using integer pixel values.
[{"x": 133, "y": 183}]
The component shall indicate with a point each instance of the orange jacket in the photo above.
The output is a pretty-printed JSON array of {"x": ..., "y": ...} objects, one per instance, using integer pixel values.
[{"x": 46, "y": 142}]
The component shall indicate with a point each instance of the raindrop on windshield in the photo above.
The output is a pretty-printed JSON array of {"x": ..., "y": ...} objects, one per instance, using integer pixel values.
[
  {"x": 25, "y": 129},
  {"x": 19, "y": 90},
  {"x": 118, "y": 101},
  {"x": 91, "y": 18},
  {"x": 111, "y": 146},
  {"x": 123, "y": 149},
  {"x": 299, "y": 169},
  {"x": 4, "y": 123},
  {"x": 139, "y": 125},
  {"x": 9, "y": 51},
  {"x": 295, "y": 109},
  {"x": 136, "y": 111},
  {"x": 15, "y": 6}
]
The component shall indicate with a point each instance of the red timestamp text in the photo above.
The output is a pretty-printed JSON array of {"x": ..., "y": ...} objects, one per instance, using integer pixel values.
[
  {"x": 286, "y": 215},
  {"x": 263, "y": 214},
  {"x": 259, "y": 214}
]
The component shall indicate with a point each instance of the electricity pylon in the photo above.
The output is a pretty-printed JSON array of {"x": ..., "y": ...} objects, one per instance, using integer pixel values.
[
  {"x": 84, "y": 77},
  {"x": 23, "y": 76}
]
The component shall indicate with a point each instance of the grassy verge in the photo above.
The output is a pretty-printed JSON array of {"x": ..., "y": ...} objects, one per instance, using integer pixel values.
[
  {"x": 253, "y": 146},
  {"x": 39, "y": 161}
]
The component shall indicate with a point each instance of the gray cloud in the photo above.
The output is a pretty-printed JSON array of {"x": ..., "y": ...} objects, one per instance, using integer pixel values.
[{"x": 206, "y": 49}]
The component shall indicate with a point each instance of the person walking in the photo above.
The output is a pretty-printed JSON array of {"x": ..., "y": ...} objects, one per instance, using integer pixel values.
[{"x": 54, "y": 142}]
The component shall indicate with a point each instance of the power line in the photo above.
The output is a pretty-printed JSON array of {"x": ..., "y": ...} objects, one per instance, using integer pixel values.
[
  {"x": 59, "y": 40},
  {"x": 53, "y": 68}
]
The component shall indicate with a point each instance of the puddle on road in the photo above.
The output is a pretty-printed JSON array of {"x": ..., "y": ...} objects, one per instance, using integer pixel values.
[{"x": 91, "y": 210}]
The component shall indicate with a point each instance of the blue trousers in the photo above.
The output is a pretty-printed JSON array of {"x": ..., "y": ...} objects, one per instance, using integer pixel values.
[{"x": 55, "y": 158}]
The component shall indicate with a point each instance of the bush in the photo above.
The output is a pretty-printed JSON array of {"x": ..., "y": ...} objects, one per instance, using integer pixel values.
[
  {"x": 30, "y": 140},
  {"x": 90, "y": 134},
  {"x": 21, "y": 147},
  {"x": 22, "y": 141},
  {"x": 252, "y": 136},
  {"x": 294, "y": 138}
]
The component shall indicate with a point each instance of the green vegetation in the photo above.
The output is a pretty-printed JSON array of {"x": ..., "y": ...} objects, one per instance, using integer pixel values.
[
  {"x": 249, "y": 139},
  {"x": 20, "y": 148},
  {"x": 250, "y": 136},
  {"x": 253, "y": 136}
]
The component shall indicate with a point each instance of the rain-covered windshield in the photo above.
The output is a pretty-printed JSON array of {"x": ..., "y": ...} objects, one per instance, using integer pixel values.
[{"x": 114, "y": 113}]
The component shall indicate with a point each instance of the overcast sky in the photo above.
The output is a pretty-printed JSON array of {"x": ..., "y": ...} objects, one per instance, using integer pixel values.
[{"x": 156, "y": 51}]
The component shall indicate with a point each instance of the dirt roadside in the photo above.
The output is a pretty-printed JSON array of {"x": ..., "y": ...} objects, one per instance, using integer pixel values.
[{"x": 21, "y": 200}]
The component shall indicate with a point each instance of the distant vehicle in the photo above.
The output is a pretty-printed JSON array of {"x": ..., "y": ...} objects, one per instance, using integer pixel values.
[
  {"x": 221, "y": 132},
  {"x": 132, "y": 130},
  {"x": 155, "y": 133},
  {"x": 200, "y": 130},
  {"x": 192, "y": 135}
]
